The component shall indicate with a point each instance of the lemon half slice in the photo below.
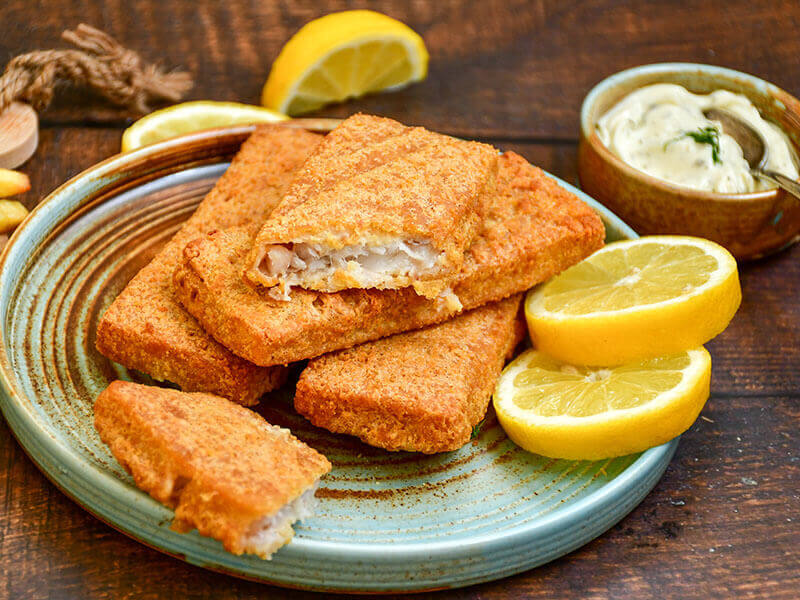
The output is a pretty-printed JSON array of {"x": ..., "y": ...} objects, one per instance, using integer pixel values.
[
  {"x": 193, "y": 116},
  {"x": 582, "y": 413},
  {"x": 635, "y": 299},
  {"x": 344, "y": 55}
]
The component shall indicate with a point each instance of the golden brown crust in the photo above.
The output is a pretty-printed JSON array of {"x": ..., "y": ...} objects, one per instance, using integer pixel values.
[
  {"x": 373, "y": 180},
  {"x": 147, "y": 329},
  {"x": 533, "y": 229},
  {"x": 219, "y": 465},
  {"x": 421, "y": 391}
]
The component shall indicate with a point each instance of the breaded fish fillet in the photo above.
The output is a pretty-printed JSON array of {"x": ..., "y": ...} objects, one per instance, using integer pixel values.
[
  {"x": 421, "y": 391},
  {"x": 377, "y": 205},
  {"x": 147, "y": 329},
  {"x": 225, "y": 470},
  {"x": 533, "y": 229}
]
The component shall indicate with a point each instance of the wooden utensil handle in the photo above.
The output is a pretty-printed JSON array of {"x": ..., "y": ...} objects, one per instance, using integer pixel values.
[{"x": 19, "y": 135}]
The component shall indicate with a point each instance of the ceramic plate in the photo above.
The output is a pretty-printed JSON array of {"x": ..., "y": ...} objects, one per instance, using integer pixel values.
[{"x": 386, "y": 521}]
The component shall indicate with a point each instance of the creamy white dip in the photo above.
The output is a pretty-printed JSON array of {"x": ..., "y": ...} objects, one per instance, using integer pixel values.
[{"x": 649, "y": 129}]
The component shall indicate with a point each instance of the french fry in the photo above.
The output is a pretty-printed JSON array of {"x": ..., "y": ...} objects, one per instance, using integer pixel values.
[
  {"x": 13, "y": 183},
  {"x": 12, "y": 213}
]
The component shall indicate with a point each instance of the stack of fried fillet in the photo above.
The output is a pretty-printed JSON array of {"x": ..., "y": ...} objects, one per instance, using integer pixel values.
[
  {"x": 146, "y": 328},
  {"x": 358, "y": 251}
]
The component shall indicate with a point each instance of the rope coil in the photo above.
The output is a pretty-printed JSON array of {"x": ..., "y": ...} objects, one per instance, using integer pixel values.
[{"x": 101, "y": 63}]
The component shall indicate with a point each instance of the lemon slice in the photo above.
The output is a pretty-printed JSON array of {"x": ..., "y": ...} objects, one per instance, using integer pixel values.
[
  {"x": 583, "y": 413},
  {"x": 635, "y": 299},
  {"x": 193, "y": 116},
  {"x": 344, "y": 55}
]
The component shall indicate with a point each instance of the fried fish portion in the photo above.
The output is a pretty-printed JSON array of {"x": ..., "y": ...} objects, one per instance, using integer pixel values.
[
  {"x": 420, "y": 391},
  {"x": 377, "y": 205},
  {"x": 225, "y": 470},
  {"x": 146, "y": 328},
  {"x": 533, "y": 229}
]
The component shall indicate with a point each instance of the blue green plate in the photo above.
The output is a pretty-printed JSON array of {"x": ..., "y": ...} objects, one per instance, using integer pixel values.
[{"x": 386, "y": 521}]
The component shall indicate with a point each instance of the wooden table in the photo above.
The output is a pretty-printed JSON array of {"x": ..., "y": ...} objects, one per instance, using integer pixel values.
[{"x": 725, "y": 519}]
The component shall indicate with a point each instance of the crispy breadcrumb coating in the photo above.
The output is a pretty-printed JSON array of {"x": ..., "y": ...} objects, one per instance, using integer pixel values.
[
  {"x": 421, "y": 391},
  {"x": 225, "y": 470},
  {"x": 377, "y": 205},
  {"x": 147, "y": 329},
  {"x": 533, "y": 229}
]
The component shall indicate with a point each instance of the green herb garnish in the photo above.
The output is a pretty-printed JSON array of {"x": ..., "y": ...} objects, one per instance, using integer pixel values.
[
  {"x": 707, "y": 135},
  {"x": 704, "y": 135},
  {"x": 476, "y": 429}
]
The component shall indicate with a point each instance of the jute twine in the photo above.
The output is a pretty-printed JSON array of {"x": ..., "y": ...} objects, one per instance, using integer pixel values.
[{"x": 101, "y": 63}]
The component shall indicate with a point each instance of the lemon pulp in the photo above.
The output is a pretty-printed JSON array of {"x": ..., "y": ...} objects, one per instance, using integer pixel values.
[
  {"x": 549, "y": 388},
  {"x": 188, "y": 117},
  {"x": 565, "y": 411},
  {"x": 636, "y": 299}
]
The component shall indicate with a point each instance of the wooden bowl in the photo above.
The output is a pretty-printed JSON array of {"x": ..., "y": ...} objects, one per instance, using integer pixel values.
[{"x": 749, "y": 225}]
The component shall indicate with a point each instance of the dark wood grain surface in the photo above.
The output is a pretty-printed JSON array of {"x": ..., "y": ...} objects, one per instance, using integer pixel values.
[{"x": 724, "y": 522}]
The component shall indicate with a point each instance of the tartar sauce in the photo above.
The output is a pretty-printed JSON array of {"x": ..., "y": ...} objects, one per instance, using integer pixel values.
[{"x": 660, "y": 129}]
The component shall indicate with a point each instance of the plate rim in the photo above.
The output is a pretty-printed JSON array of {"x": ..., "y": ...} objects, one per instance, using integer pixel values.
[{"x": 48, "y": 452}]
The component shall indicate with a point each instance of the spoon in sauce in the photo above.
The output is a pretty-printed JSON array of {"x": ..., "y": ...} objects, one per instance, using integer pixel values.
[{"x": 754, "y": 149}]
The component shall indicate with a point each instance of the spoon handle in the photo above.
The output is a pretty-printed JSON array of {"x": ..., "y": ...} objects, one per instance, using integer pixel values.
[{"x": 790, "y": 185}]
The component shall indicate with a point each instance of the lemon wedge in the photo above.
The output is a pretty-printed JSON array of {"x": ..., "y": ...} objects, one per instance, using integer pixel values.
[
  {"x": 635, "y": 299},
  {"x": 582, "y": 413},
  {"x": 344, "y": 55},
  {"x": 193, "y": 116}
]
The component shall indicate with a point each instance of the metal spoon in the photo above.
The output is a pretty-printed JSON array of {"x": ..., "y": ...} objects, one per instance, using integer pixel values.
[{"x": 754, "y": 149}]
